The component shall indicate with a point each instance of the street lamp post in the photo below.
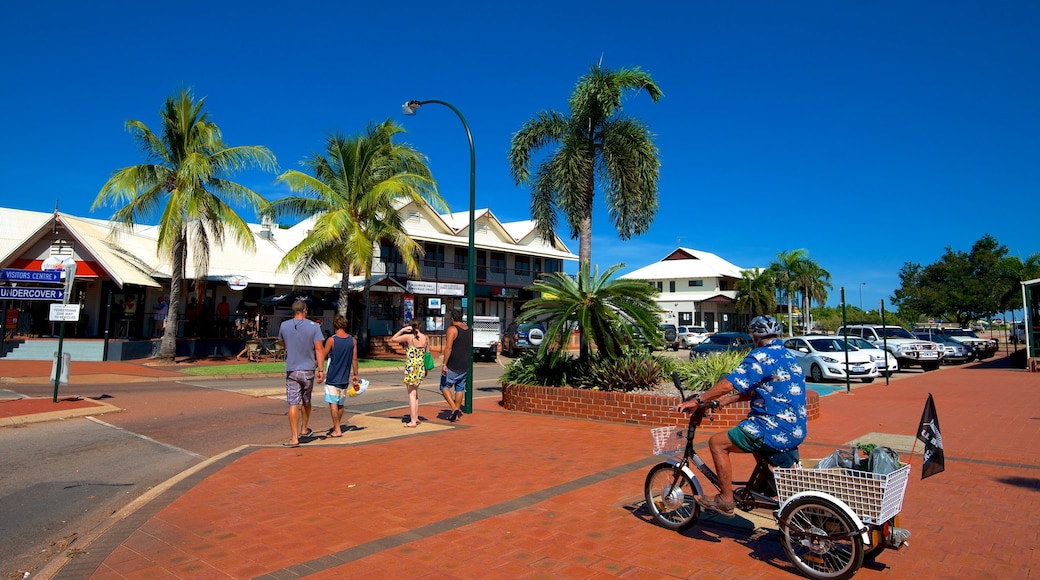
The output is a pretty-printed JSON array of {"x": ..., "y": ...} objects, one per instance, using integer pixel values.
[
  {"x": 410, "y": 108},
  {"x": 861, "y": 285}
]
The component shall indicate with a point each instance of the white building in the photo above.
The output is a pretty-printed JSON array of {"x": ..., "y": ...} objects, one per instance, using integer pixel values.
[
  {"x": 696, "y": 288},
  {"x": 117, "y": 269}
]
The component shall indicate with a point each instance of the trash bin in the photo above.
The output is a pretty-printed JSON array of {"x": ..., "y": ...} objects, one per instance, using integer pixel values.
[{"x": 66, "y": 362}]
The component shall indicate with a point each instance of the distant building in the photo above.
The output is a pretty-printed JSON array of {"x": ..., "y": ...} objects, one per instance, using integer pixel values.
[{"x": 696, "y": 288}]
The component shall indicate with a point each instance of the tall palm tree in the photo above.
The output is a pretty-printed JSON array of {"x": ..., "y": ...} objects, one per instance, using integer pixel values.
[
  {"x": 184, "y": 184},
  {"x": 755, "y": 292},
  {"x": 595, "y": 303},
  {"x": 785, "y": 274},
  {"x": 814, "y": 282},
  {"x": 596, "y": 140},
  {"x": 355, "y": 187}
]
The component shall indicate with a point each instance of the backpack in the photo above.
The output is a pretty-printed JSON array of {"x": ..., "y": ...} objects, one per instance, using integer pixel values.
[{"x": 883, "y": 460}]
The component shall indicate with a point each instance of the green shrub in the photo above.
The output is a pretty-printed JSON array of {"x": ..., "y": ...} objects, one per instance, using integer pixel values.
[
  {"x": 632, "y": 371},
  {"x": 701, "y": 373}
]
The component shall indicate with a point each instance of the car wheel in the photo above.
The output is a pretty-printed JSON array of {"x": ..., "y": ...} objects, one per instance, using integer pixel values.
[
  {"x": 929, "y": 366},
  {"x": 816, "y": 373},
  {"x": 868, "y": 380}
]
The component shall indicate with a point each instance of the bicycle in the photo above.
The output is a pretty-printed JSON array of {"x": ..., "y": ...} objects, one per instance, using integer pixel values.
[{"x": 830, "y": 520}]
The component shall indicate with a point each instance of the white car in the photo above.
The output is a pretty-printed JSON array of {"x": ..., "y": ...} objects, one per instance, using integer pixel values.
[
  {"x": 823, "y": 357},
  {"x": 882, "y": 359},
  {"x": 691, "y": 336}
]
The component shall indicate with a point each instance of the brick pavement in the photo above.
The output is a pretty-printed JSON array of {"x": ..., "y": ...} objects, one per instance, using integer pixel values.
[{"x": 506, "y": 494}]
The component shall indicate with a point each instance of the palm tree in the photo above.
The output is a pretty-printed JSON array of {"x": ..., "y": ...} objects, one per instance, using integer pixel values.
[
  {"x": 597, "y": 304},
  {"x": 355, "y": 187},
  {"x": 785, "y": 273},
  {"x": 814, "y": 282},
  {"x": 595, "y": 140},
  {"x": 184, "y": 184},
  {"x": 755, "y": 292}
]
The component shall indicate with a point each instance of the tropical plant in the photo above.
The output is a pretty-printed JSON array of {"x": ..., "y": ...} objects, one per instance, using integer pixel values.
[
  {"x": 552, "y": 368},
  {"x": 784, "y": 273},
  {"x": 755, "y": 292},
  {"x": 631, "y": 371},
  {"x": 595, "y": 140},
  {"x": 598, "y": 305},
  {"x": 355, "y": 189},
  {"x": 814, "y": 282},
  {"x": 185, "y": 185},
  {"x": 701, "y": 373}
]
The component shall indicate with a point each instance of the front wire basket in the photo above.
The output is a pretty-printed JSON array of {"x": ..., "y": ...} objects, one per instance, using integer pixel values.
[{"x": 668, "y": 440}]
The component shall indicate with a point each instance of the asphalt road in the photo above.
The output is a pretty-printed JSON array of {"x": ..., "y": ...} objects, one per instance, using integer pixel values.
[{"x": 61, "y": 479}]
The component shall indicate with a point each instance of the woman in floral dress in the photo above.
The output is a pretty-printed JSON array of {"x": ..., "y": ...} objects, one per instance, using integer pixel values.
[{"x": 414, "y": 371}]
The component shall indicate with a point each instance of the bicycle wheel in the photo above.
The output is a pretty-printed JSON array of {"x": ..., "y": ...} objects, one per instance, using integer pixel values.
[
  {"x": 669, "y": 497},
  {"x": 836, "y": 557}
]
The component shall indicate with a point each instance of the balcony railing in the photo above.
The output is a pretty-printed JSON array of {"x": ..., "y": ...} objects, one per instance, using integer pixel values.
[{"x": 449, "y": 272}]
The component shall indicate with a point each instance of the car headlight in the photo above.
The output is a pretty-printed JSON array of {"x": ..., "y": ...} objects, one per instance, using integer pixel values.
[{"x": 828, "y": 359}]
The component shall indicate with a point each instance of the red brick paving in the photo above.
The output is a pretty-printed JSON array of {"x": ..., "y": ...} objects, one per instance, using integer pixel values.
[{"x": 509, "y": 495}]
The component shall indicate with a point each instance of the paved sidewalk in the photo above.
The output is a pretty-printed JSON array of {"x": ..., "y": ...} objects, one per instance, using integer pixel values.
[{"x": 510, "y": 495}]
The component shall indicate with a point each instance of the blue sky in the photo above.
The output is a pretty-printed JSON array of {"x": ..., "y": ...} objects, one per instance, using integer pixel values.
[{"x": 869, "y": 133}]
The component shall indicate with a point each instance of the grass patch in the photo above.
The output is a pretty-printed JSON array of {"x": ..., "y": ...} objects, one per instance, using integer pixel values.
[{"x": 274, "y": 367}]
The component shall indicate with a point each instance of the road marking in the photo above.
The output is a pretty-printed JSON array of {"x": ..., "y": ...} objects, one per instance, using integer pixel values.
[{"x": 146, "y": 438}]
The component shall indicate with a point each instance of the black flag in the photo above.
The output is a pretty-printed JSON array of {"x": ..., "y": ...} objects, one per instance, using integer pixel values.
[{"x": 929, "y": 434}]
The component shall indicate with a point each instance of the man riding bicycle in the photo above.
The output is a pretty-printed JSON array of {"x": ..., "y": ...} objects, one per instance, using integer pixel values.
[{"x": 770, "y": 377}]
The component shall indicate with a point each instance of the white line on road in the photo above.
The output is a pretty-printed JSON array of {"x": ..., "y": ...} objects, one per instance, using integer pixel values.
[{"x": 145, "y": 437}]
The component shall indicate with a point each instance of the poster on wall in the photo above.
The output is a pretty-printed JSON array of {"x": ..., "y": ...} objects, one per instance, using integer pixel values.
[{"x": 408, "y": 308}]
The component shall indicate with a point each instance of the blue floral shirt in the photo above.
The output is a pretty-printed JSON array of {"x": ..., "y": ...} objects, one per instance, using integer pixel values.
[{"x": 777, "y": 386}]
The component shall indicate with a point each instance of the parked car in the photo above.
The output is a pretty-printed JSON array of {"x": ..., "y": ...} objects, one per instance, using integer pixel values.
[
  {"x": 520, "y": 337},
  {"x": 956, "y": 351},
  {"x": 907, "y": 348},
  {"x": 691, "y": 336},
  {"x": 980, "y": 347},
  {"x": 824, "y": 357},
  {"x": 722, "y": 341},
  {"x": 671, "y": 336},
  {"x": 1018, "y": 336},
  {"x": 884, "y": 361}
]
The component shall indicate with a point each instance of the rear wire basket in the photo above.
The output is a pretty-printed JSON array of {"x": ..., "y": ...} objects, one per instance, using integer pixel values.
[
  {"x": 668, "y": 440},
  {"x": 875, "y": 498}
]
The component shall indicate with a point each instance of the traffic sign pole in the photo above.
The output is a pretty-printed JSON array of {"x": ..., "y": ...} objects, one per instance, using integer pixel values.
[{"x": 70, "y": 278}]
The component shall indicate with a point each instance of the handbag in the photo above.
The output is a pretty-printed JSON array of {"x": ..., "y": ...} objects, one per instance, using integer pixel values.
[{"x": 428, "y": 361}]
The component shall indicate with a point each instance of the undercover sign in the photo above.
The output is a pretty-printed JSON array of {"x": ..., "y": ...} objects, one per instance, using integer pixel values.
[{"x": 52, "y": 294}]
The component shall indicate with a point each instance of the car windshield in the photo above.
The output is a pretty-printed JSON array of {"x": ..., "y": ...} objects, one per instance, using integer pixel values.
[
  {"x": 698, "y": 329},
  {"x": 859, "y": 342},
  {"x": 895, "y": 332},
  {"x": 959, "y": 332},
  {"x": 828, "y": 345},
  {"x": 722, "y": 339}
]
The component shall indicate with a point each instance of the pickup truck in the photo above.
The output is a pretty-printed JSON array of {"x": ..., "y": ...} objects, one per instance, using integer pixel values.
[{"x": 487, "y": 332}]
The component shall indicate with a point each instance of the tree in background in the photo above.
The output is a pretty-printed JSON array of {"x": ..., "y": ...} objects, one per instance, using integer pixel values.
[
  {"x": 755, "y": 292},
  {"x": 814, "y": 283},
  {"x": 603, "y": 307},
  {"x": 964, "y": 286},
  {"x": 784, "y": 274},
  {"x": 355, "y": 188},
  {"x": 184, "y": 184}
]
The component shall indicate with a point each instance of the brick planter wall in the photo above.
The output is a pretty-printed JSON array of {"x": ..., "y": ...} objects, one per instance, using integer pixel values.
[{"x": 636, "y": 409}]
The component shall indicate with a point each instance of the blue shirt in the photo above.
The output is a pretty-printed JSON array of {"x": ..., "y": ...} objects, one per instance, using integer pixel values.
[
  {"x": 299, "y": 336},
  {"x": 777, "y": 386}
]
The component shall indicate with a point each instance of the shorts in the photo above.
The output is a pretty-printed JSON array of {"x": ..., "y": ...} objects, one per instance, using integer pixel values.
[
  {"x": 298, "y": 387},
  {"x": 750, "y": 444},
  {"x": 453, "y": 380},
  {"x": 335, "y": 395}
]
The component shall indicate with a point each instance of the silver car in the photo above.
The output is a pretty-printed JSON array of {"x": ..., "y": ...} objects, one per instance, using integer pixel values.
[{"x": 691, "y": 336}]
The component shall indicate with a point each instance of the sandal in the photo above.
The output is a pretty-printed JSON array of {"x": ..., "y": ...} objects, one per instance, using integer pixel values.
[{"x": 715, "y": 504}]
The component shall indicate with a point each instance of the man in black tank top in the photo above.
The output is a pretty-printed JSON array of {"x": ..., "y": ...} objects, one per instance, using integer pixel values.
[{"x": 458, "y": 349}]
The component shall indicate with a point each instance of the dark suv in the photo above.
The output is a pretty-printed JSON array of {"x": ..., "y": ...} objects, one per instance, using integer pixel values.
[
  {"x": 671, "y": 336},
  {"x": 523, "y": 336}
]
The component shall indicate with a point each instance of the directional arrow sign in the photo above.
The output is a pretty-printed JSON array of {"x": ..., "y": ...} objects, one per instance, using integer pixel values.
[{"x": 52, "y": 294}]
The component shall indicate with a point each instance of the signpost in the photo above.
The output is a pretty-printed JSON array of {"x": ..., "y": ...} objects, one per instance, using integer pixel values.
[
  {"x": 69, "y": 271},
  {"x": 63, "y": 312}
]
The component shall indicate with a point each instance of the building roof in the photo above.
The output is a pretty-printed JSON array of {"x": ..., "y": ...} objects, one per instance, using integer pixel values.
[{"x": 687, "y": 263}]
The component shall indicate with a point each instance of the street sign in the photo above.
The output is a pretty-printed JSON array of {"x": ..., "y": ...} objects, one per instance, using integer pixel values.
[
  {"x": 13, "y": 275},
  {"x": 64, "y": 313},
  {"x": 51, "y": 294}
]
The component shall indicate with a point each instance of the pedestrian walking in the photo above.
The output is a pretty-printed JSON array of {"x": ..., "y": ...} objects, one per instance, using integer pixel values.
[
  {"x": 303, "y": 354},
  {"x": 416, "y": 344},
  {"x": 458, "y": 352},
  {"x": 341, "y": 352}
]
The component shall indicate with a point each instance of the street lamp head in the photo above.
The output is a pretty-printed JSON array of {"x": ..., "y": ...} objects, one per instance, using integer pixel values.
[{"x": 410, "y": 107}]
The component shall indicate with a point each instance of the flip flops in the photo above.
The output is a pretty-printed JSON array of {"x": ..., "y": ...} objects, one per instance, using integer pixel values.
[
  {"x": 715, "y": 504},
  {"x": 288, "y": 444}
]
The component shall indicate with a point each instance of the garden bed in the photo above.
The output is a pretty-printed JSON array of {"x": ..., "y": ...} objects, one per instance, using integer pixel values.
[{"x": 633, "y": 408}]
